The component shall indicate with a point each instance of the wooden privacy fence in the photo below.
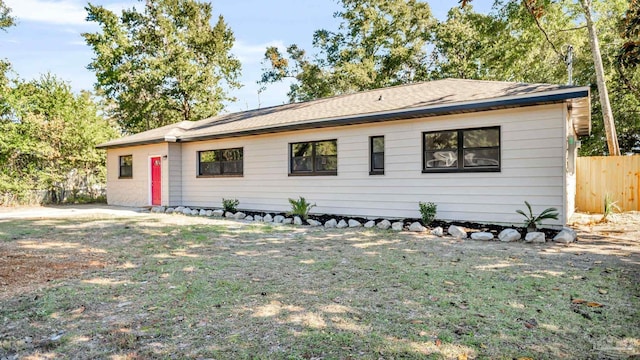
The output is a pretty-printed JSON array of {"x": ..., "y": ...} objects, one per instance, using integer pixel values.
[{"x": 597, "y": 176}]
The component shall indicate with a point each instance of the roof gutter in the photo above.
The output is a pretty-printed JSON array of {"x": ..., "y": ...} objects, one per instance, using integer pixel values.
[{"x": 132, "y": 143}]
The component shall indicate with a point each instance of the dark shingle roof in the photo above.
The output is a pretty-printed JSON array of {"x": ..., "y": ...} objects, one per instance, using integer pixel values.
[{"x": 405, "y": 101}]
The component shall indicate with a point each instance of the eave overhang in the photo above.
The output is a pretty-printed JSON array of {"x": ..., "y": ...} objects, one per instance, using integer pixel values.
[{"x": 578, "y": 97}]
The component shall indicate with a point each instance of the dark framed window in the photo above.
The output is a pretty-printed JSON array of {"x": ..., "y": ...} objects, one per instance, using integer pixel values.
[
  {"x": 126, "y": 166},
  {"x": 465, "y": 150},
  {"x": 376, "y": 155},
  {"x": 314, "y": 158},
  {"x": 221, "y": 162}
]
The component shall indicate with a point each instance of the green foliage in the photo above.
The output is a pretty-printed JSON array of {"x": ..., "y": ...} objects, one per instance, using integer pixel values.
[
  {"x": 6, "y": 20},
  {"x": 428, "y": 212},
  {"x": 230, "y": 205},
  {"x": 378, "y": 43},
  {"x": 48, "y": 136},
  {"x": 164, "y": 64},
  {"x": 626, "y": 88},
  {"x": 504, "y": 45},
  {"x": 300, "y": 207},
  {"x": 461, "y": 39},
  {"x": 629, "y": 53},
  {"x": 531, "y": 220},
  {"x": 610, "y": 206},
  {"x": 47, "y": 141}
]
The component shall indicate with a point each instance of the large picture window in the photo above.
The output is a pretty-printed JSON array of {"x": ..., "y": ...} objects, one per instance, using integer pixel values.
[
  {"x": 376, "y": 161},
  {"x": 222, "y": 162},
  {"x": 470, "y": 150},
  {"x": 126, "y": 166},
  {"x": 314, "y": 158}
]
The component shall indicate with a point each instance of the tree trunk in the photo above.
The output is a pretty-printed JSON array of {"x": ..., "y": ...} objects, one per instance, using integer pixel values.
[{"x": 607, "y": 115}]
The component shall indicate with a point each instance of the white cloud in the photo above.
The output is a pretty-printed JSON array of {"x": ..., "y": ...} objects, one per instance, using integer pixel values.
[
  {"x": 254, "y": 53},
  {"x": 67, "y": 12},
  {"x": 59, "y": 12}
]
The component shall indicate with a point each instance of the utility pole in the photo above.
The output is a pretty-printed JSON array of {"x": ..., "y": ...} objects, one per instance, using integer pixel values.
[{"x": 569, "y": 61}]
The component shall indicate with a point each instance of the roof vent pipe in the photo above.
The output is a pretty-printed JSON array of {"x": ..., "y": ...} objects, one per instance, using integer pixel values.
[{"x": 569, "y": 61}]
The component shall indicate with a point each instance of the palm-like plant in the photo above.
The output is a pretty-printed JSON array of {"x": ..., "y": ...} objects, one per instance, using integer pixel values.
[
  {"x": 531, "y": 220},
  {"x": 300, "y": 207}
]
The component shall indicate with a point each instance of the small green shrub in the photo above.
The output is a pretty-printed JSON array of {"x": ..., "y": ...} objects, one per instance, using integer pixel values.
[
  {"x": 300, "y": 207},
  {"x": 610, "y": 206},
  {"x": 531, "y": 221},
  {"x": 428, "y": 212},
  {"x": 230, "y": 205}
]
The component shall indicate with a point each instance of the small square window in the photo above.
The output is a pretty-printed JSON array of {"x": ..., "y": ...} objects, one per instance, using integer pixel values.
[{"x": 314, "y": 158}]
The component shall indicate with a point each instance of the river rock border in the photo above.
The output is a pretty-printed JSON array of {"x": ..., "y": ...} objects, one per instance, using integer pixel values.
[{"x": 566, "y": 235}]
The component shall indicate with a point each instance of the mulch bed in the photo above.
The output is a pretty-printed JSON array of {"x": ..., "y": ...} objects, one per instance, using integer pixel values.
[{"x": 469, "y": 226}]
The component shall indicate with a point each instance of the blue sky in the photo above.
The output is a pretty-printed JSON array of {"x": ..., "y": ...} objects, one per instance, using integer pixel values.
[{"x": 47, "y": 37}]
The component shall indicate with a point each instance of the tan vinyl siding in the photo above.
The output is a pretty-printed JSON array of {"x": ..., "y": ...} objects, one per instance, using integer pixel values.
[
  {"x": 174, "y": 171},
  {"x": 532, "y": 162},
  {"x": 136, "y": 190}
]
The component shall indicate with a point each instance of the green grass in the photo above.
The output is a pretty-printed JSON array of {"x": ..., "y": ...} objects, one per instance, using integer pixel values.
[{"x": 253, "y": 291}]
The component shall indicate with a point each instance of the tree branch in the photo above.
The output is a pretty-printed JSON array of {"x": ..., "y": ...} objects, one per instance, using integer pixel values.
[
  {"x": 572, "y": 29},
  {"x": 531, "y": 10},
  {"x": 626, "y": 81}
]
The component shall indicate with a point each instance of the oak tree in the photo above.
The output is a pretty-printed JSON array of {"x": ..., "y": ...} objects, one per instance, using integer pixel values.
[
  {"x": 48, "y": 139},
  {"x": 164, "y": 64},
  {"x": 378, "y": 43}
]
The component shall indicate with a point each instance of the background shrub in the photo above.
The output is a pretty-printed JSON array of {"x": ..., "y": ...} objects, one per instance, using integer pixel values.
[
  {"x": 428, "y": 212},
  {"x": 230, "y": 205}
]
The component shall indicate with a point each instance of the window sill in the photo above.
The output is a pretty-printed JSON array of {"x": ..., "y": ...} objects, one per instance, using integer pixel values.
[
  {"x": 220, "y": 176},
  {"x": 125, "y": 177},
  {"x": 334, "y": 173},
  {"x": 456, "y": 170},
  {"x": 376, "y": 172}
]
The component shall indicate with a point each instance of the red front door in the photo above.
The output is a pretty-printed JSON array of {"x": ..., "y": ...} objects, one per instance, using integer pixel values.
[{"x": 156, "y": 181}]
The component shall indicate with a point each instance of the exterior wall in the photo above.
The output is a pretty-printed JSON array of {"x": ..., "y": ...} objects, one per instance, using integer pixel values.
[
  {"x": 135, "y": 191},
  {"x": 532, "y": 168},
  {"x": 174, "y": 172}
]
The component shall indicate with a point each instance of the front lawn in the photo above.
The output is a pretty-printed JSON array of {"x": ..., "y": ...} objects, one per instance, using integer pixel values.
[{"x": 171, "y": 286}]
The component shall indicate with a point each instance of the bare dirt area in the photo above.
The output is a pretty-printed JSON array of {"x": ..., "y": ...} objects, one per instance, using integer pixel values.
[
  {"x": 129, "y": 285},
  {"x": 23, "y": 265},
  {"x": 20, "y": 270},
  {"x": 68, "y": 211}
]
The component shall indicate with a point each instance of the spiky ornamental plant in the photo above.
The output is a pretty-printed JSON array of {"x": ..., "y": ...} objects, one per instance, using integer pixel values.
[
  {"x": 531, "y": 221},
  {"x": 300, "y": 207},
  {"x": 610, "y": 206}
]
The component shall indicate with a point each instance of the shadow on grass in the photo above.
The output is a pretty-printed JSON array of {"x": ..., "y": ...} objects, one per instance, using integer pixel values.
[{"x": 236, "y": 290}]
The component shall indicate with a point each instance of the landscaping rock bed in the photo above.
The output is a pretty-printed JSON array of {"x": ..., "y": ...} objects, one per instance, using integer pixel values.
[{"x": 457, "y": 229}]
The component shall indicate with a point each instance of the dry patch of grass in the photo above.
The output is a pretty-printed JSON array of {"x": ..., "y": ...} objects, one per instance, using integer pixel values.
[{"x": 175, "y": 286}]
